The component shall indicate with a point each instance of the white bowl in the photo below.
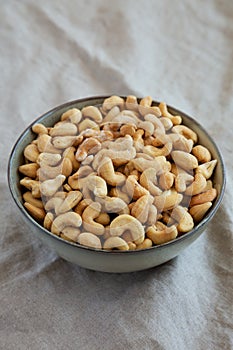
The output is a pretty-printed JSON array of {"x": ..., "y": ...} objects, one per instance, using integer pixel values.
[{"x": 101, "y": 260}]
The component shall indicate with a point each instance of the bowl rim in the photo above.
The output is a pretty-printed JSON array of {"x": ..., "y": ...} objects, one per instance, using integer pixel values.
[{"x": 177, "y": 240}]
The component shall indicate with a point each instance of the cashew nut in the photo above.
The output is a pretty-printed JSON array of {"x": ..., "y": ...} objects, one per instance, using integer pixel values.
[
  {"x": 166, "y": 180},
  {"x": 206, "y": 196},
  {"x": 207, "y": 169},
  {"x": 198, "y": 211},
  {"x": 39, "y": 129},
  {"x": 133, "y": 188},
  {"x": 115, "y": 243},
  {"x": 175, "y": 119},
  {"x": 147, "y": 243},
  {"x": 141, "y": 208},
  {"x": 111, "y": 102},
  {"x": 44, "y": 144},
  {"x": 64, "y": 220},
  {"x": 161, "y": 236},
  {"x": 197, "y": 186},
  {"x": 31, "y": 152},
  {"x": 186, "y": 132},
  {"x": 156, "y": 152},
  {"x": 124, "y": 223},
  {"x": 93, "y": 113},
  {"x": 29, "y": 170},
  {"x": 70, "y": 233},
  {"x": 89, "y": 145},
  {"x": 71, "y": 200},
  {"x": 31, "y": 185},
  {"x": 184, "y": 160},
  {"x": 28, "y": 197},
  {"x": 37, "y": 213},
  {"x": 107, "y": 171},
  {"x": 64, "y": 129},
  {"x": 49, "y": 187},
  {"x": 112, "y": 204},
  {"x": 167, "y": 200},
  {"x": 89, "y": 240},
  {"x": 48, "y": 159},
  {"x": 184, "y": 219},
  {"x": 87, "y": 124},
  {"x": 48, "y": 220},
  {"x": 89, "y": 215},
  {"x": 148, "y": 179},
  {"x": 74, "y": 115}
]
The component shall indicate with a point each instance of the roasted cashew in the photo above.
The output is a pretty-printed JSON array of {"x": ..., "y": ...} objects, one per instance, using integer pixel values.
[
  {"x": 70, "y": 233},
  {"x": 147, "y": 126},
  {"x": 28, "y": 197},
  {"x": 206, "y": 196},
  {"x": 159, "y": 163},
  {"x": 49, "y": 187},
  {"x": 31, "y": 152},
  {"x": 89, "y": 240},
  {"x": 48, "y": 159},
  {"x": 46, "y": 172},
  {"x": 87, "y": 124},
  {"x": 107, "y": 171},
  {"x": 82, "y": 205},
  {"x": 53, "y": 204},
  {"x": 152, "y": 215},
  {"x": 95, "y": 184},
  {"x": 37, "y": 213},
  {"x": 115, "y": 243},
  {"x": 75, "y": 180},
  {"x": 207, "y": 169},
  {"x": 48, "y": 220},
  {"x": 64, "y": 220},
  {"x": 71, "y": 200},
  {"x": 198, "y": 211},
  {"x": 182, "y": 180},
  {"x": 166, "y": 180},
  {"x": 148, "y": 179},
  {"x": 111, "y": 102},
  {"x": 70, "y": 153},
  {"x": 197, "y": 186},
  {"x": 184, "y": 219},
  {"x": 39, "y": 129},
  {"x": 73, "y": 115},
  {"x": 118, "y": 192},
  {"x": 141, "y": 208},
  {"x": 90, "y": 145},
  {"x": 113, "y": 112},
  {"x": 64, "y": 129},
  {"x": 131, "y": 103},
  {"x": 29, "y": 170},
  {"x": 62, "y": 142},
  {"x": 185, "y": 131},
  {"x": 201, "y": 153},
  {"x": 103, "y": 219},
  {"x": 93, "y": 113},
  {"x": 161, "y": 236},
  {"x": 184, "y": 160},
  {"x": 147, "y": 243},
  {"x": 89, "y": 214},
  {"x": 167, "y": 200},
  {"x": 156, "y": 152},
  {"x": 32, "y": 185},
  {"x": 133, "y": 188},
  {"x": 44, "y": 144},
  {"x": 124, "y": 223},
  {"x": 175, "y": 119},
  {"x": 112, "y": 204},
  {"x": 145, "y": 107},
  {"x": 127, "y": 130}
]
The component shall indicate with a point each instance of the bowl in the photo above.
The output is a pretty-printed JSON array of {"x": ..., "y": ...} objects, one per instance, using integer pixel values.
[{"x": 102, "y": 260}]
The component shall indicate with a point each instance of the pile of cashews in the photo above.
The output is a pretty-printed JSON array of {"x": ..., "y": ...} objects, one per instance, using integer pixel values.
[{"x": 125, "y": 175}]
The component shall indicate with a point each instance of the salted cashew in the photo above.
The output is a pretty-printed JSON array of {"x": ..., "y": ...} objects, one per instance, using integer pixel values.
[
  {"x": 184, "y": 160},
  {"x": 93, "y": 113},
  {"x": 64, "y": 129},
  {"x": 185, "y": 131},
  {"x": 133, "y": 188},
  {"x": 148, "y": 180},
  {"x": 89, "y": 240},
  {"x": 48, "y": 220},
  {"x": 161, "y": 236},
  {"x": 44, "y": 144},
  {"x": 37, "y": 213},
  {"x": 182, "y": 180},
  {"x": 70, "y": 153},
  {"x": 53, "y": 204},
  {"x": 70, "y": 233},
  {"x": 147, "y": 243},
  {"x": 145, "y": 107},
  {"x": 87, "y": 124},
  {"x": 32, "y": 185},
  {"x": 166, "y": 180},
  {"x": 103, "y": 219},
  {"x": 71, "y": 200},
  {"x": 198, "y": 211},
  {"x": 28, "y": 197},
  {"x": 184, "y": 219},
  {"x": 141, "y": 208},
  {"x": 112, "y": 113},
  {"x": 31, "y": 152},
  {"x": 29, "y": 170},
  {"x": 167, "y": 200},
  {"x": 206, "y": 196},
  {"x": 50, "y": 172},
  {"x": 48, "y": 159},
  {"x": 131, "y": 103},
  {"x": 64, "y": 220},
  {"x": 73, "y": 115},
  {"x": 107, "y": 171},
  {"x": 124, "y": 223},
  {"x": 95, "y": 184},
  {"x": 111, "y": 102},
  {"x": 207, "y": 168},
  {"x": 176, "y": 119},
  {"x": 49, "y": 187},
  {"x": 112, "y": 204},
  {"x": 156, "y": 152},
  {"x": 90, "y": 145},
  {"x": 115, "y": 243},
  {"x": 39, "y": 129},
  {"x": 90, "y": 213},
  {"x": 197, "y": 186}
]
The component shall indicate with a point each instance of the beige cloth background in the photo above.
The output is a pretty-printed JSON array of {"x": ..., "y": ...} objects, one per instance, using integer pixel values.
[{"x": 177, "y": 51}]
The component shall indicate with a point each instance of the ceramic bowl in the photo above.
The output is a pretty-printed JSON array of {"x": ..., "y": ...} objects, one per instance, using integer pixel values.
[{"x": 111, "y": 261}]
